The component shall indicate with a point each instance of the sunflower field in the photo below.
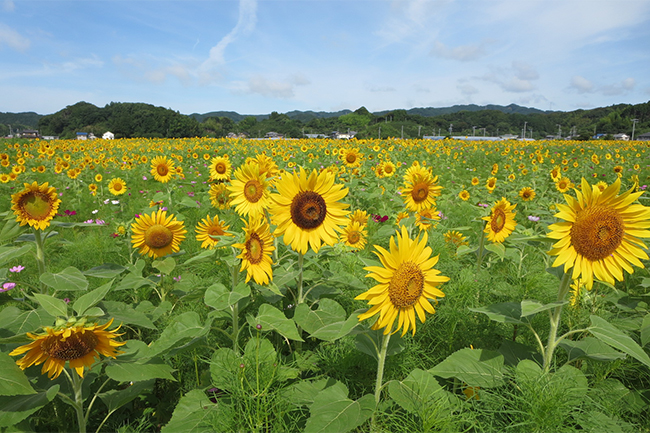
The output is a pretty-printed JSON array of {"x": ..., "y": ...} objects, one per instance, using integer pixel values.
[{"x": 223, "y": 285}]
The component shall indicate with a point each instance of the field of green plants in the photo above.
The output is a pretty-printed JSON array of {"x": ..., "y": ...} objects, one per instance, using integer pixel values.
[{"x": 221, "y": 285}]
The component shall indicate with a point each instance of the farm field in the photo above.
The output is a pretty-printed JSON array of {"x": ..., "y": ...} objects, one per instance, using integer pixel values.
[{"x": 324, "y": 285}]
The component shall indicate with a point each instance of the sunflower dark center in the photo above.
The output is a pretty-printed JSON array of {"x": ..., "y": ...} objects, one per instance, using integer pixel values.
[
  {"x": 253, "y": 191},
  {"x": 117, "y": 186},
  {"x": 77, "y": 345},
  {"x": 254, "y": 249},
  {"x": 308, "y": 210},
  {"x": 406, "y": 285},
  {"x": 597, "y": 232},
  {"x": 220, "y": 167},
  {"x": 498, "y": 220},
  {"x": 36, "y": 205},
  {"x": 420, "y": 192},
  {"x": 158, "y": 236},
  {"x": 351, "y": 158},
  {"x": 162, "y": 169},
  {"x": 354, "y": 237},
  {"x": 216, "y": 231},
  {"x": 388, "y": 169}
]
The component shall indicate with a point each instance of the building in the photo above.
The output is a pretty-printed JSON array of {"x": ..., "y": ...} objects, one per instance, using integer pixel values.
[
  {"x": 29, "y": 133},
  {"x": 82, "y": 136},
  {"x": 623, "y": 137},
  {"x": 108, "y": 135},
  {"x": 644, "y": 137}
]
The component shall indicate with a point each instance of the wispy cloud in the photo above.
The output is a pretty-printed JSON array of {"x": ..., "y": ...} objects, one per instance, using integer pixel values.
[
  {"x": 582, "y": 85},
  {"x": 517, "y": 78},
  {"x": 245, "y": 25},
  {"x": 12, "y": 39},
  {"x": 271, "y": 88}
]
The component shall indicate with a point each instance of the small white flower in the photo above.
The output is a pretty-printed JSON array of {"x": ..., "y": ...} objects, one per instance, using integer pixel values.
[
  {"x": 95, "y": 211},
  {"x": 115, "y": 201}
]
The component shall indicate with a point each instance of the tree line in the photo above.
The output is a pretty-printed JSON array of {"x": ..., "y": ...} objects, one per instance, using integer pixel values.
[{"x": 129, "y": 120}]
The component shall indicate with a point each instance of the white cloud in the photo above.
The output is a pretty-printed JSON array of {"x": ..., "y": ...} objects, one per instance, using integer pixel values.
[
  {"x": 245, "y": 25},
  {"x": 8, "y": 6},
  {"x": 12, "y": 39},
  {"x": 153, "y": 70},
  {"x": 462, "y": 53},
  {"x": 466, "y": 89},
  {"x": 270, "y": 88},
  {"x": 581, "y": 84},
  {"x": 516, "y": 79}
]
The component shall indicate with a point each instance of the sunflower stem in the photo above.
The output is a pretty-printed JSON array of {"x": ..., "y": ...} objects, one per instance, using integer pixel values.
[
  {"x": 381, "y": 361},
  {"x": 301, "y": 260},
  {"x": 555, "y": 316},
  {"x": 77, "y": 383},
  {"x": 481, "y": 248},
  {"x": 234, "y": 309},
  {"x": 40, "y": 255}
]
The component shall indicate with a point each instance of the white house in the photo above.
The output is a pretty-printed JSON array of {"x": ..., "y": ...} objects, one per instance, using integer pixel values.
[
  {"x": 108, "y": 135},
  {"x": 623, "y": 137}
]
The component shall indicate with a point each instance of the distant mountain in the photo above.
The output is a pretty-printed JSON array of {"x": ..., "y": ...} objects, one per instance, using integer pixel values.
[
  {"x": 306, "y": 116},
  {"x": 14, "y": 119}
]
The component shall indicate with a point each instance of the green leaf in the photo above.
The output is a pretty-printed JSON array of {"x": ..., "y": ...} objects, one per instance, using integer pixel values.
[
  {"x": 616, "y": 338},
  {"x": 332, "y": 411},
  {"x": 133, "y": 281},
  {"x": 498, "y": 249},
  {"x": 67, "y": 280},
  {"x": 12, "y": 379},
  {"x": 165, "y": 266},
  {"x": 10, "y": 230},
  {"x": 188, "y": 202},
  {"x": 8, "y": 254},
  {"x": 370, "y": 341},
  {"x": 590, "y": 347},
  {"x": 645, "y": 331},
  {"x": 16, "y": 408},
  {"x": 19, "y": 322},
  {"x": 272, "y": 319},
  {"x": 417, "y": 392},
  {"x": 505, "y": 312},
  {"x": 116, "y": 398},
  {"x": 124, "y": 313},
  {"x": 327, "y": 323},
  {"x": 599, "y": 422},
  {"x": 302, "y": 393},
  {"x": 464, "y": 249},
  {"x": 107, "y": 270},
  {"x": 184, "y": 329},
  {"x": 529, "y": 308},
  {"x": 54, "y": 306},
  {"x": 135, "y": 372},
  {"x": 203, "y": 256},
  {"x": 475, "y": 367},
  {"x": 194, "y": 413},
  {"x": 91, "y": 299},
  {"x": 220, "y": 298},
  {"x": 223, "y": 368}
]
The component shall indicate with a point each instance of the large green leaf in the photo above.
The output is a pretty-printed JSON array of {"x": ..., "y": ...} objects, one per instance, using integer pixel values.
[
  {"x": 223, "y": 368},
  {"x": 16, "y": 408},
  {"x": 124, "y": 313},
  {"x": 116, "y": 398},
  {"x": 529, "y": 308},
  {"x": 203, "y": 256},
  {"x": 12, "y": 379},
  {"x": 136, "y": 372},
  {"x": 272, "y": 319},
  {"x": 186, "y": 328},
  {"x": 645, "y": 330},
  {"x": 475, "y": 367},
  {"x": 107, "y": 270},
  {"x": 369, "y": 342},
  {"x": 165, "y": 266},
  {"x": 418, "y": 391},
  {"x": 16, "y": 322},
  {"x": 607, "y": 333},
  {"x": 220, "y": 298},
  {"x": 10, "y": 230},
  {"x": 134, "y": 281},
  {"x": 11, "y": 253},
  {"x": 333, "y": 411},
  {"x": 54, "y": 306},
  {"x": 196, "y": 413},
  {"x": 302, "y": 393},
  {"x": 327, "y": 323},
  {"x": 590, "y": 347},
  {"x": 69, "y": 279},
  {"x": 505, "y": 312},
  {"x": 89, "y": 300}
]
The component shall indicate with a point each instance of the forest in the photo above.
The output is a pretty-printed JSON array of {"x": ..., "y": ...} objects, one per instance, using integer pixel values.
[{"x": 130, "y": 120}]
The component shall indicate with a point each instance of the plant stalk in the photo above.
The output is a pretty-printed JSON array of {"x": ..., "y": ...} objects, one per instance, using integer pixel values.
[
  {"x": 481, "y": 248},
  {"x": 77, "y": 383},
  {"x": 555, "y": 316},
  {"x": 381, "y": 361},
  {"x": 40, "y": 255}
]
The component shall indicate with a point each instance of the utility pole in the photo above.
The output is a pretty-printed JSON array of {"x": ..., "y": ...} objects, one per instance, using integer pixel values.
[
  {"x": 402, "y": 132},
  {"x": 559, "y": 131},
  {"x": 525, "y": 123},
  {"x": 451, "y": 128},
  {"x": 633, "y": 125},
  {"x": 379, "y": 133},
  {"x": 419, "y": 127},
  {"x": 473, "y": 131}
]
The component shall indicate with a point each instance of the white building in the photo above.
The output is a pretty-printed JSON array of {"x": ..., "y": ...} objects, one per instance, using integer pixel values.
[{"x": 108, "y": 135}]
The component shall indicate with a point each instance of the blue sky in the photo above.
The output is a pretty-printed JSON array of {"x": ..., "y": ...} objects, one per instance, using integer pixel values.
[{"x": 258, "y": 56}]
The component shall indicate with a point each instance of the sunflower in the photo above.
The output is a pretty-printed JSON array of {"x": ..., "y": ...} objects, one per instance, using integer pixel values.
[
  {"x": 157, "y": 234},
  {"x": 491, "y": 184},
  {"x": 77, "y": 342},
  {"x": 351, "y": 157},
  {"x": 556, "y": 173},
  {"x": 209, "y": 227},
  {"x": 249, "y": 191},
  {"x": 464, "y": 195},
  {"x": 420, "y": 189},
  {"x": 501, "y": 221},
  {"x": 360, "y": 216},
  {"x": 256, "y": 250},
  {"x": 117, "y": 186},
  {"x": 162, "y": 169},
  {"x": 268, "y": 167},
  {"x": 400, "y": 217},
  {"x": 600, "y": 234},
  {"x": 475, "y": 181},
  {"x": 527, "y": 193},
  {"x": 424, "y": 219},
  {"x": 220, "y": 168},
  {"x": 307, "y": 210},
  {"x": 564, "y": 184},
  {"x": 388, "y": 169},
  {"x": 219, "y": 195},
  {"x": 455, "y": 238},
  {"x": 35, "y": 205},
  {"x": 354, "y": 235},
  {"x": 407, "y": 282}
]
